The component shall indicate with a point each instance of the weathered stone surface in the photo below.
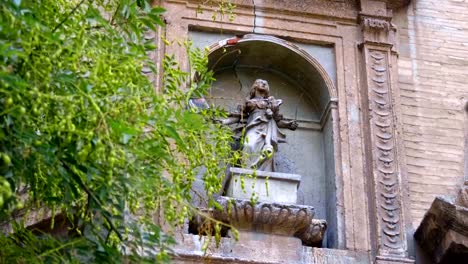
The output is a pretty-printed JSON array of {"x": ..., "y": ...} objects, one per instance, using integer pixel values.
[
  {"x": 309, "y": 150},
  {"x": 334, "y": 256},
  {"x": 250, "y": 248},
  {"x": 462, "y": 197},
  {"x": 377, "y": 50},
  {"x": 268, "y": 218},
  {"x": 260, "y": 121},
  {"x": 395, "y": 4},
  {"x": 267, "y": 186},
  {"x": 261, "y": 248},
  {"x": 443, "y": 232},
  {"x": 427, "y": 83},
  {"x": 432, "y": 67},
  {"x": 272, "y": 218}
]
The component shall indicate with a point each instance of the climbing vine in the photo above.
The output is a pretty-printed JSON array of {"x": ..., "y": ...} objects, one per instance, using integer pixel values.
[{"x": 84, "y": 135}]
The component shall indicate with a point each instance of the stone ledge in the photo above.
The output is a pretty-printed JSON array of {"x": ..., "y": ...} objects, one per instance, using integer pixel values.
[
  {"x": 267, "y": 174},
  {"x": 260, "y": 248}
]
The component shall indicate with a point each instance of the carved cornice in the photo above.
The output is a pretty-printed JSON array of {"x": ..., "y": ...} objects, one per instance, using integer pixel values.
[{"x": 338, "y": 10}]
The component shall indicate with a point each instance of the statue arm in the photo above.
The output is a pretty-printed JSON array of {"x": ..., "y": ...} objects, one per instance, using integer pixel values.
[
  {"x": 289, "y": 124},
  {"x": 230, "y": 120},
  {"x": 280, "y": 121}
]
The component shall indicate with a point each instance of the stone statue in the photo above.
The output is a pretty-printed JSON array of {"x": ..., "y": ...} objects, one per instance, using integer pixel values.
[{"x": 263, "y": 120}]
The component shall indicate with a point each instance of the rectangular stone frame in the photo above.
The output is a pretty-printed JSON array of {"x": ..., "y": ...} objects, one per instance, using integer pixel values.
[{"x": 360, "y": 221}]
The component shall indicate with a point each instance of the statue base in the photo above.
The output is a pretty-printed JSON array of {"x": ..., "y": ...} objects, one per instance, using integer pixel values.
[{"x": 264, "y": 186}]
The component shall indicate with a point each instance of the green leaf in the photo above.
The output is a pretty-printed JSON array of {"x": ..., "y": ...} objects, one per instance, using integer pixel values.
[
  {"x": 122, "y": 128},
  {"x": 148, "y": 22},
  {"x": 88, "y": 135},
  {"x": 172, "y": 133},
  {"x": 157, "y": 10},
  {"x": 156, "y": 19}
]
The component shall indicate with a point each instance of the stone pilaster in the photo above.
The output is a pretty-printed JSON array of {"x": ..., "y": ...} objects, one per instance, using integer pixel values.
[{"x": 390, "y": 244}]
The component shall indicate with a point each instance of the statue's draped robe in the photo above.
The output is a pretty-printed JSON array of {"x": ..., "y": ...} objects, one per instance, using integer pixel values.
[{"x": 261, "y": 133}]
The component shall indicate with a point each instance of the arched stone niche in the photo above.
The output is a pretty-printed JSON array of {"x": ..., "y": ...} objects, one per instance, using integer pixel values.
[{"x": 308, "y": 95}]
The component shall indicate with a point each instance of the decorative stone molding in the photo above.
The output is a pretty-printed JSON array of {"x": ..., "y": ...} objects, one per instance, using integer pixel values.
[
  {"x": 376, "y": 29},
  {"x": 383, "y": 163},
  {"x": 375, "y": 23},
  {"x": 383, "y": 148},
  {"x": 271, "y": 218}
]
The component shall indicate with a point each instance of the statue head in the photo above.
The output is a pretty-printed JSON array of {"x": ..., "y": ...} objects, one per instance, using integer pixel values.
[{"x": 260, "y": 88}]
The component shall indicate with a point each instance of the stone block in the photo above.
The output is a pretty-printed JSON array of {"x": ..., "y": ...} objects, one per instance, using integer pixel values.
[
  {"x": 258, "y": 248},
  {"x": 267, "y": 186},
  {"x": 251, "y": 248},
  {"x": 443, "y": 233}
]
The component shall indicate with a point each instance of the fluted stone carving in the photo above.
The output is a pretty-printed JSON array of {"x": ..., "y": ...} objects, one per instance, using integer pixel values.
[
  {"x": 384, "y": 150},
  {"x": 275, "y": 218},
  {"x": 377, "y": 50}
]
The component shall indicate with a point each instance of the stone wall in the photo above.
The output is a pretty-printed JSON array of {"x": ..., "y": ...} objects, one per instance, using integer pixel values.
[
  {"x": 417, "y": 75},
  {"x": 433, "y": 80}
]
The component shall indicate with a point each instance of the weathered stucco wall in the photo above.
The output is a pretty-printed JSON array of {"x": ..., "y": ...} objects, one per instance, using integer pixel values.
[{"x": 433, "y": 81}]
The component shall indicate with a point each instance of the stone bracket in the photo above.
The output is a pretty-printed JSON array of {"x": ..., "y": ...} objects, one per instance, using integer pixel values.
[{"x": 270, "y": 218}]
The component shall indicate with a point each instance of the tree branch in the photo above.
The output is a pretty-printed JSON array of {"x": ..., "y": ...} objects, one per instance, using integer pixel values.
[
  {"x": 68, "y": 16},
  {"x": 93, "y": 197}
]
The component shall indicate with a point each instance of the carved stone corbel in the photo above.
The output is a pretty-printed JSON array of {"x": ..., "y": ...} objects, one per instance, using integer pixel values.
[
  {"x": 269, "y": 218},
  {"x": 383, "y": 168},
  {"x": 272, "y": 218}
]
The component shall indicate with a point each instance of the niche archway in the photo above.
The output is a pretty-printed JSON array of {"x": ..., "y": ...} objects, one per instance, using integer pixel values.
[{"x": 309, "y": 96}]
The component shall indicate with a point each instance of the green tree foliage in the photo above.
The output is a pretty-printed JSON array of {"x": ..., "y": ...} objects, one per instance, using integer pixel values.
[{"x": 83, "y": 132}]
